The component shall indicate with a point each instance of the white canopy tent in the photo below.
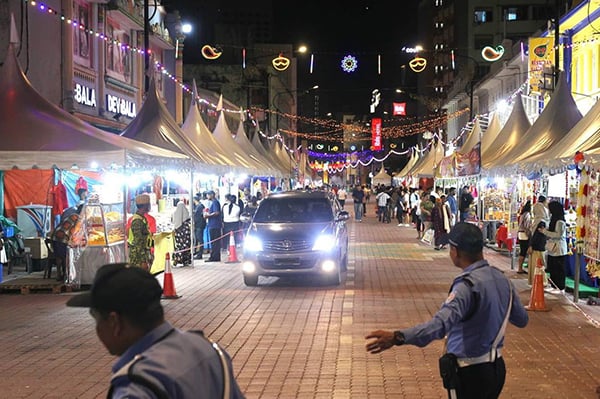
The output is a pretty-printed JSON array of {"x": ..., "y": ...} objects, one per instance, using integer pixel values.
[
  {"x": 154, "y": 125},
  {"x": 382, "y": 177},
  {"x": 35, "y": 132},
  {"x": 489, "y": 135},
  {"x": 196, "y": 131},
  {"x": 555, "y": 121},
  {"x": 225, "y": 139},
  {"x": 584, "y": 137},
  {"x": 242, "y": 140},
  {"x": 426, "y": 166},
  {"x": 508, "y": 137}
]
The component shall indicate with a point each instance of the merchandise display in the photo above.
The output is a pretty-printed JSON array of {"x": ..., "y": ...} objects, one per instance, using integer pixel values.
[{"x": 98, "y": 238}]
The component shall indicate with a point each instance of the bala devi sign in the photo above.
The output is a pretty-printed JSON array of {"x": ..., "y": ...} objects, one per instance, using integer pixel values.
[
  {"x": 121, "y": 106},
  {"x": 84, "y": 95},
  {"x": 87, "y": 96}
]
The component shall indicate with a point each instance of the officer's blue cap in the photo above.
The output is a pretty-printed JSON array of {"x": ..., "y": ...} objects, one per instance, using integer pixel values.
[
  {"x": 466, "y": 237},
  {"x": 120, "y": 287}
]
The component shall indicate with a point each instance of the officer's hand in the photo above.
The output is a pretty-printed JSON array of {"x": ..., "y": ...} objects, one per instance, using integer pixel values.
[{"x": 383, "y": 340}]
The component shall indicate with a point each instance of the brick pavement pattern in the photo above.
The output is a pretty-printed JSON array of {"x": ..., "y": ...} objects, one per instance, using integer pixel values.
[{"x": 297, "y": 338}]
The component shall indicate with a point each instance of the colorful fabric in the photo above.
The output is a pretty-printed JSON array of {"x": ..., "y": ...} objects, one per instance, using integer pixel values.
[{"x": 59, "y": 199}]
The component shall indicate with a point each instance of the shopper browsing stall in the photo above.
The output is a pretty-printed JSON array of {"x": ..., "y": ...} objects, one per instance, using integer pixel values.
[
  {"x": 214, "y": 222},
  {"x": 181, "y": 226},
  {"x": 556, "y": 245}
]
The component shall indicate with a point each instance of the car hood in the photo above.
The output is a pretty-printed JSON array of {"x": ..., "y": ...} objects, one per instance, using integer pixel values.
[{"x": 290, "y": 231}]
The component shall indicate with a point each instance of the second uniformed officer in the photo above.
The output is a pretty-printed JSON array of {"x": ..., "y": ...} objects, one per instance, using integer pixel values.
[{"x": 473, "y": 319}]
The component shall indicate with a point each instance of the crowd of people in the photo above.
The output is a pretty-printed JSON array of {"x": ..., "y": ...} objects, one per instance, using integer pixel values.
[
  {"x": 133, "y": 326},
  {"x": 435, "y": 210}
]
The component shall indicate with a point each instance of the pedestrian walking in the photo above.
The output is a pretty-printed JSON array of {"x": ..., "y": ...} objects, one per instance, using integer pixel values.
[
  {"x": 156, "y": 360},
  {"x": 523, "y": 235},
  {"x": 473, "y": 319},
  {"x": 358, "y": 196},
  {"x": 341, "y": 196}
]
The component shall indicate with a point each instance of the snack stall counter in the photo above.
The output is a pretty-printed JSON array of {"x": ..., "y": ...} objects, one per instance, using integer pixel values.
[{"x": 98, "y": 239}]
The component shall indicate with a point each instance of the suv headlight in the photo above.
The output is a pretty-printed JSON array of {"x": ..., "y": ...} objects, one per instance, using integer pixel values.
[
  {"x": 324, "y": 242},
  {"x": 252, "y": 244}
]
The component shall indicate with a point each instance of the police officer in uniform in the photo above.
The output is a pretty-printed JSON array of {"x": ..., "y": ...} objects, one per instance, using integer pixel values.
[
  {"x": 156, "y": 360},
  {"x": 473, "y": 319}
]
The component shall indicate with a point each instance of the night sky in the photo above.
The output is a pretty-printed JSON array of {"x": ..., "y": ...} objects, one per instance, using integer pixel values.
[{"x": 333, "y": 29}]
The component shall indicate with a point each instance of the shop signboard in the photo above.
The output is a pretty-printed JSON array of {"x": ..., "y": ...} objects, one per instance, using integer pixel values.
[{"x": 541, "y": 56}]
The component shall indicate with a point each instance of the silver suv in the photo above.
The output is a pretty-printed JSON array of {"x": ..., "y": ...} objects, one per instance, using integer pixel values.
[{"x": 296, "y": 232}]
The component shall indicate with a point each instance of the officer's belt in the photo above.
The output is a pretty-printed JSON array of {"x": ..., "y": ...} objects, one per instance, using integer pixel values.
[{"x": 489, "y": 357}]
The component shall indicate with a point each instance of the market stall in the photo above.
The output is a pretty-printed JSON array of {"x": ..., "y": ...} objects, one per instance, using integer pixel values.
[{"x": 37, "y": 136}]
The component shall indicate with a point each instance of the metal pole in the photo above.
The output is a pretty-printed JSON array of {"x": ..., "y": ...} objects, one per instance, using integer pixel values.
[
  {"x": 577, "y": 272},
  {"x": 556, "y": 42},
  {"x": 146, "y": 45},
  {"x": 471, "y": 102}
]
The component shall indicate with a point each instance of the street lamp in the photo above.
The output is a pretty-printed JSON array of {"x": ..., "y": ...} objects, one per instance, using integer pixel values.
[
  {"x": 470, "y": 89},
  {"x": 293, "y": 96}
]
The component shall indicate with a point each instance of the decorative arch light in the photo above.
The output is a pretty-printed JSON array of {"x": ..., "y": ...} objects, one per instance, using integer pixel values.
[
  {"x": 491, "y": 54},
  {"x": 211, "y": 53},
  {"x": 281, "y": 63},
  {"x": 418, "y": 64}
]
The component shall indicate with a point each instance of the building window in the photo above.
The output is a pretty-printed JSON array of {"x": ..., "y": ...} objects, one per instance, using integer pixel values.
[
  {"x": 483, "y": 15},
  {"x": 480, "y": 41},
  {"x": 542, "y": 13},
  {"x": 513, "y": 13}
]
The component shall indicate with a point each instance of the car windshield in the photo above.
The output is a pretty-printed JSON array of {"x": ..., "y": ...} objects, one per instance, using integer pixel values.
[{"x": 296, "y": 210}]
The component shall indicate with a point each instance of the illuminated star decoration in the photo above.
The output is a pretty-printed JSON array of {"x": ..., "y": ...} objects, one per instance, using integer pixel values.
[{"x": 349, "y": 64}]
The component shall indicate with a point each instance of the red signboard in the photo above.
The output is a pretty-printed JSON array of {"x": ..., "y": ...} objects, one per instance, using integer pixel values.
[
  {"x": 376, "y": 134},
  {"x": 399, "y": 109}
]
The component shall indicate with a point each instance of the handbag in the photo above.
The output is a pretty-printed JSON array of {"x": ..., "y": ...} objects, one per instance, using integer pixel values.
[{"x": 428, "y": 236}]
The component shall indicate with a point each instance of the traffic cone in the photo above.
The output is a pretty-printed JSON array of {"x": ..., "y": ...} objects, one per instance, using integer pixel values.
[
  {"x": 537, "y": 301},
  {"x": 168, "y": 285},
  {"x": 232, "y": 254}
]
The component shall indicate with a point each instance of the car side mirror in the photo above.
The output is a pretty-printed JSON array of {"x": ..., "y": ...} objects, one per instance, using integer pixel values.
[{"x": 343, "y": 215}]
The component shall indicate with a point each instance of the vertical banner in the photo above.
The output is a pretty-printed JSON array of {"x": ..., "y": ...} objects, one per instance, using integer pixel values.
[
  {"x": 541, "y": 57},
  {"x": 376, "y": 134}
]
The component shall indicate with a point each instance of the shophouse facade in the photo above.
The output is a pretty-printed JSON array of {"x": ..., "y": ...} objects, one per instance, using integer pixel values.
[{"x": 88, "y": 58}]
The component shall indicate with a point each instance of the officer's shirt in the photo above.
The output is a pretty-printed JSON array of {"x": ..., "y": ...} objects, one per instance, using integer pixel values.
[
  {"x": 472, "y": 314},
  {"x": 184, "y": 364}
]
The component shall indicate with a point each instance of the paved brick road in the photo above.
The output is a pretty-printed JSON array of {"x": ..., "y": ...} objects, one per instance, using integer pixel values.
[{"x": 292, "y": 340}]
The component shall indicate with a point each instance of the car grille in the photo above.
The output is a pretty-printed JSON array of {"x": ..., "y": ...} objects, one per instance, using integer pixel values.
[
  {"x": 286, "y": 245},
  {"x": 288, "y": 263}
]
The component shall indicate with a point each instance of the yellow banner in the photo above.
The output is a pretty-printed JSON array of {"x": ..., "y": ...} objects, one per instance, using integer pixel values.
[{"x": 541, "y": 59}]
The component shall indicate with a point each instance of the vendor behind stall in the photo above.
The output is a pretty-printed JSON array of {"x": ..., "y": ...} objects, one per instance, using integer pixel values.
[
  {"x": 139, "y": 237},
  {"x": 61, "y": 236}
]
